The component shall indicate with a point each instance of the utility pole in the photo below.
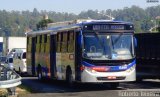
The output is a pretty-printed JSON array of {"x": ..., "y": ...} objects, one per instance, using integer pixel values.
[
  {"x": 6, "y": 30},
  {"x": 6, "y": 35},
  {"x": 109, "y": 16}
]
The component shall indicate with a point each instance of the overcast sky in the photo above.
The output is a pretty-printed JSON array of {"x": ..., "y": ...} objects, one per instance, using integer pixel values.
[{"x": 71, "y": 6}]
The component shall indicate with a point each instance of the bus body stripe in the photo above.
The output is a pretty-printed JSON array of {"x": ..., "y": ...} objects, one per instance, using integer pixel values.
[{"x": 112, "y": 68}]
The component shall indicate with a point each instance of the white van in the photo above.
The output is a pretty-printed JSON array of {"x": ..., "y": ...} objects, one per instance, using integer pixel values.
[
  {"x": 19, "y": 60},
  {"x": 11, "y": 53}
]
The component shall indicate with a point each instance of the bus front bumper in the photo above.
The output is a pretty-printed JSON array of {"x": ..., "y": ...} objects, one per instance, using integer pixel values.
[{"x": 101, "y": 77}]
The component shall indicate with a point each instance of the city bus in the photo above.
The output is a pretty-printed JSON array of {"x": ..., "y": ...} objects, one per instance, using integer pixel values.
[{"x": 88, "y": 51}]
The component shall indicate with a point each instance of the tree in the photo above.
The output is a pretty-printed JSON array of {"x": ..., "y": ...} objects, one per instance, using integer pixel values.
[
  {"x": 35, "y": 12},
  {"x": 43, "y": 23},
  {"x": 17, "y": 21}
]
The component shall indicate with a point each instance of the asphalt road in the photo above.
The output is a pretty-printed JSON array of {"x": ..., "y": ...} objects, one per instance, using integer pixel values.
[{"x": 50, "y": 88}]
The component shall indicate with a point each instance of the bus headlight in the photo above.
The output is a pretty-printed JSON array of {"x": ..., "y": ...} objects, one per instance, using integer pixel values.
[
  {"x": 87, "y": 68},
  {"x": 90, "y": 70},
  {"x": 95, "y": 69}
]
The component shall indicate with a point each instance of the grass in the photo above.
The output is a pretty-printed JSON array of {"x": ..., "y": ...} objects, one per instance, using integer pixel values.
[
  {"x": 3, "y": 93},
  {"x": 21, "y": 89}
]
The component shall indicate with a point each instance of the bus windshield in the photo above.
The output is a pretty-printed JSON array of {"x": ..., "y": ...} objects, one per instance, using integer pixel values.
[{"x": 108, "y": 46}]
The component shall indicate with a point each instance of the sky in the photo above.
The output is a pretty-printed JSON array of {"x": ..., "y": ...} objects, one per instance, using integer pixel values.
[{"x": 72, "y": 6}]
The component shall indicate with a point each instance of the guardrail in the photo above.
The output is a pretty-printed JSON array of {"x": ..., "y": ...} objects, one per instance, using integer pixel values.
[{"x": 9, "y": 79}]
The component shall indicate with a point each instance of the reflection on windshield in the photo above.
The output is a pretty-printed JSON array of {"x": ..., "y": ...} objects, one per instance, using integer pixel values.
[{"x": 110, "y": 47}]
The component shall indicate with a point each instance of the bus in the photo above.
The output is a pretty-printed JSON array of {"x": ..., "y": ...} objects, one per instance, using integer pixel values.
[{"x": 86, "y": 51}]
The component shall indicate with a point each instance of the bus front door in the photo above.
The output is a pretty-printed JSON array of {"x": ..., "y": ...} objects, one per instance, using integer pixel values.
[
  {"x": 53, "y": 56},
  {"x": 78, "y": 55}
]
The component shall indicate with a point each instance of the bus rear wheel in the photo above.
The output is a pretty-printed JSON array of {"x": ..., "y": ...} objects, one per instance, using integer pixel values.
[
  {"x": 39, "y": 73},
  {"x": 69, "y": 78}
]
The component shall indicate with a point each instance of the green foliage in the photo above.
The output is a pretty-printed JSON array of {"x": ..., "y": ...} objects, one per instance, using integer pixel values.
[
  {"x": 43, "y": 23},
  {"x": 16, "y": 23}
]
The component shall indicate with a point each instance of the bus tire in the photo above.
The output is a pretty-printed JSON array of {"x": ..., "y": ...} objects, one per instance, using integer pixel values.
[
  {"x": 39, "y": 73},
  {"x": 69, "y": 78}
]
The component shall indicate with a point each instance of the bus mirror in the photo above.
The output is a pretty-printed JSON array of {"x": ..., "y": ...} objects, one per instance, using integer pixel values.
[{"x": 135, "y": 42}]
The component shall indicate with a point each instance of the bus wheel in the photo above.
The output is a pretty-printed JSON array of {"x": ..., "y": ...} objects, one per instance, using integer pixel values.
[
  {"x": 113, "y": 85},
  {"x": 39, "y": 73},
  {"x": 69, "y": 78}
]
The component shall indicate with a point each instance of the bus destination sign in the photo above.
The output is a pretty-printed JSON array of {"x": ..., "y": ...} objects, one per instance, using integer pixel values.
[
  {"x": 117, "y": 27},
  {"x": 108, "y": 27},
  {"x": 100, "y": 27}
]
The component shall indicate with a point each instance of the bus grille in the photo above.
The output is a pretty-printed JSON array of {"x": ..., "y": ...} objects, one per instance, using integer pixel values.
[{"x": 106, "y": 78}]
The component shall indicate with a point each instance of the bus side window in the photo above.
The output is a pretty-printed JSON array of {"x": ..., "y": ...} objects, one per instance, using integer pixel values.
[
  {"x": 28, "y": 38},
  {"x": 70, "y": 41},
  {"x": 37, "y": 42},
  {"x": 36, "y": 39},
  {"x": 45, "y": 41},
  {"x": 58, "y": 42},
  {"x": 40, "y": 39},
  {"x": 64, "y": 42},
  {"x": 45, "y": 38},
  {"x": 40, "y": 42}
]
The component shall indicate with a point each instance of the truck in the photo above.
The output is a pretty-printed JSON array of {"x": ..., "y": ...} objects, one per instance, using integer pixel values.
[
  {"x": 148, "y": 55},
  {"x": 16, "y": 42},
  {"x": 9, "y": 43}
]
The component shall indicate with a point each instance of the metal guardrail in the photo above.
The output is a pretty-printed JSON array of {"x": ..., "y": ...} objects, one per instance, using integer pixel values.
[{"x": 9, "y": 79}]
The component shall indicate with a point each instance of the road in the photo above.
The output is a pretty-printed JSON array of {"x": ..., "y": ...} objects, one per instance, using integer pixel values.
[{"x": 50, "y": 88}]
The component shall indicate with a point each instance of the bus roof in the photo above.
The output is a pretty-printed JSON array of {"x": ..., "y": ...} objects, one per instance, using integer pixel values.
[
  {"x": 104, "y": 21},
  {"x": 69, "y": 25}
]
